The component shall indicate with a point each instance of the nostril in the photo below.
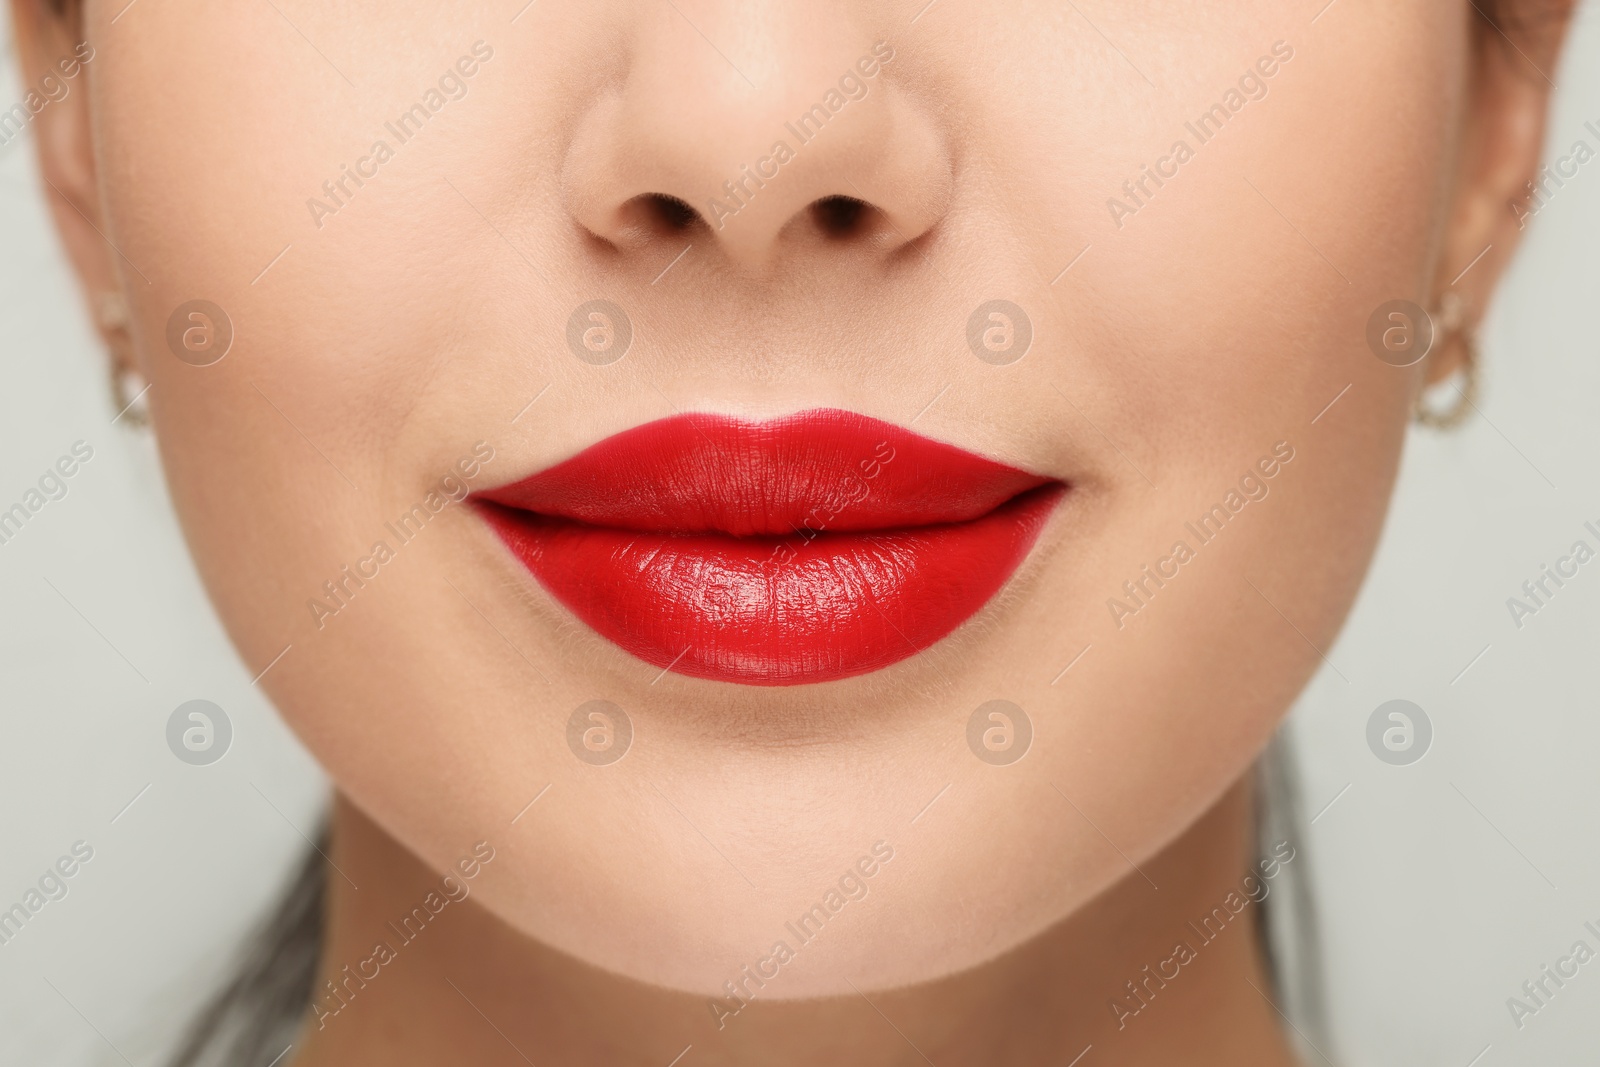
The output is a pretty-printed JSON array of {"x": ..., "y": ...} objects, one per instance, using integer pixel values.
[
  {"x": 840, "y": 216},
  {"x": 649, "y": 216},
  {"x": 670, "y": 212}
]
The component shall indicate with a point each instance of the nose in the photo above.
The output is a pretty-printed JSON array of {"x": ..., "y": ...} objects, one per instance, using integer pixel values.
[{"x": 767, "y": 127}]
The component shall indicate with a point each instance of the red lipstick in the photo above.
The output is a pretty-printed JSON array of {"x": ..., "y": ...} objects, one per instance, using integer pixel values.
[{"x": 807, "y": 548}]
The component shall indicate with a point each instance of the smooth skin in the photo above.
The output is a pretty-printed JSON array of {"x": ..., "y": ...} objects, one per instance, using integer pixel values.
[{"x": 428, "y": 312}]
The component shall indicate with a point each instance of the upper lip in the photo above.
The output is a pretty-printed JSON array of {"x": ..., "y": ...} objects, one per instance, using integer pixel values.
[{"x": 808, "y": 473}]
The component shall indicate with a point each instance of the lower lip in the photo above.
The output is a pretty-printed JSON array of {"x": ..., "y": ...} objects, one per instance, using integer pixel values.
[{"x": 777, "y": 610}]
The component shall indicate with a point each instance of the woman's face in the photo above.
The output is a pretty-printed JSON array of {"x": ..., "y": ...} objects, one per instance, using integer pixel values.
[{"x": 1191, "y": 212}]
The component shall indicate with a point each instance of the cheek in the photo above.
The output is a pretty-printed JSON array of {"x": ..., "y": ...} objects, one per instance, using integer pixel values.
[
  {"x": 1225, "y": 316},
  {"x": 336, "y": 405}
]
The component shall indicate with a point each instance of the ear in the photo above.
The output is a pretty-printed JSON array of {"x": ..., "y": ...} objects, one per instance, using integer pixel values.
[
  {"x": 1498, "y": 156},
  {"x": 57, "y": 65}
]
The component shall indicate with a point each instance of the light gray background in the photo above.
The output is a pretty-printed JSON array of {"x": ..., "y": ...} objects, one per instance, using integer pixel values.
[{"x": 1443, "y": 885}]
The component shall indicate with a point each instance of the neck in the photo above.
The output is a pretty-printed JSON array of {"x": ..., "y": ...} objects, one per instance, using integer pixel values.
[{"x": 1143, "y": 975}]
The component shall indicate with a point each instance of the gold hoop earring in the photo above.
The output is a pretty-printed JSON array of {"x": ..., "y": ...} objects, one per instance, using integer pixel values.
[
  {"x": 128, "y": 389},
  {"x": 1466, "y": 394},
  {"x": 128, "y": 386},
  {"x": 1450, "y": 323}
]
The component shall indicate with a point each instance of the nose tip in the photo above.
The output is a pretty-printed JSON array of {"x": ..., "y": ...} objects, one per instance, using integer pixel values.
[{"x": 825, "y": 151}]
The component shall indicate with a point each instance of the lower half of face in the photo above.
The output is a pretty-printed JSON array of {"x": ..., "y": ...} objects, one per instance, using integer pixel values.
[{"x": 993, "y": 434}]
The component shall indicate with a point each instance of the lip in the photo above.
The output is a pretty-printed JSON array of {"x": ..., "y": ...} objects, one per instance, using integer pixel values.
[{"x": 808, "y": 548}]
